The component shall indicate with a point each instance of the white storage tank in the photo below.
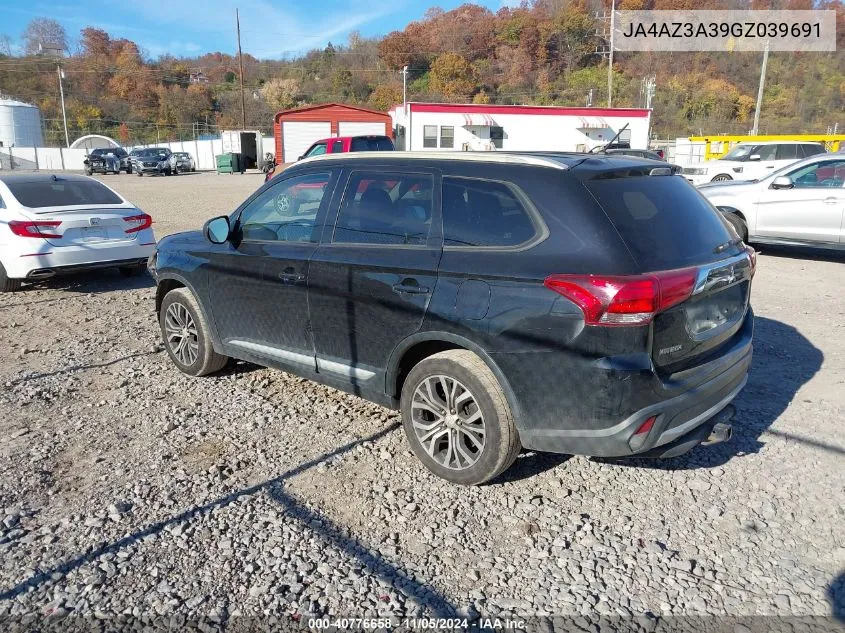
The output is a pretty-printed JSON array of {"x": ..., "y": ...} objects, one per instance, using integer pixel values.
[{"x": 20, "y": 125}]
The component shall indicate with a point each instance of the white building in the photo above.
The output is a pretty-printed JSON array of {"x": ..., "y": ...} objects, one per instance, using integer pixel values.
[
  {"x": 20, "y": 124},
  {"x": 476, "y": 127}
]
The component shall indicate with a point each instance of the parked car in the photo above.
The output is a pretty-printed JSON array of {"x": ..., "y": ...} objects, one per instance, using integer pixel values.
[
  {"x": 61, "y": 224},
  {"x": 344, "y": 144},
  {"x": 578, "y": 304},
  {"x": 749, "y": 161},
  {"x": 181, "y": 162},
  {"x": 802, "y": 204},
  {"x": 152, "y": 160},
  {"x": 107, "y": 160}
]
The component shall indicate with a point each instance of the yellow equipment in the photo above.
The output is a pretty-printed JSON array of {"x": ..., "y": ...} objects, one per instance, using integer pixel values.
[{"x": 831, "y": 141}]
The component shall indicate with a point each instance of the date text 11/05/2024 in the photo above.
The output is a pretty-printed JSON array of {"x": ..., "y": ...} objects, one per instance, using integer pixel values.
[{"x": 416, "y": 624}]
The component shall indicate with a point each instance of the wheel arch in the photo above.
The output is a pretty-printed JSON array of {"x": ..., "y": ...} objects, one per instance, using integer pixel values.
[
  {"x": 420, "y": 346},
  {"x": 168, "y": 281}
]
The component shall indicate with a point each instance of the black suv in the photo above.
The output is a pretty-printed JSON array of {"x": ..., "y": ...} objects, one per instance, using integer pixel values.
[{"x": 559, "y": 302}]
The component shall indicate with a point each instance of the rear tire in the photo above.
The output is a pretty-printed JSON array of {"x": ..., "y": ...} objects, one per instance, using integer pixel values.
[
  {"x": 457, "y": 419},
  {"x": 6, "y": 284},
  {"x": 721, "y": 178},
  {"x": 739, "y": 225},
  {"x": 186, "y": 335}
]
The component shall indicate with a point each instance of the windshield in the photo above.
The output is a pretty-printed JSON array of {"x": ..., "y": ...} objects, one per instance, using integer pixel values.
[
  {"x": 61, "y": 193},
  {"x": 740, "y": 152}
]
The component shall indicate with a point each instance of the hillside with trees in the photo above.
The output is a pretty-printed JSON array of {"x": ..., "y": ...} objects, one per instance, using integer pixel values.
[{"x": 542, "y": 52}]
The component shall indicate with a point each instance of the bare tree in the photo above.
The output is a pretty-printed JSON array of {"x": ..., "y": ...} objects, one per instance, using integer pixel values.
[
  {"x": 5, "y": 45},
  {"x": 44, "y": 32}
]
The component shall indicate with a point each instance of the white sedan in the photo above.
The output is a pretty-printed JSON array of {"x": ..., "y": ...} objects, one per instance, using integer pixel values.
[
  {"x": 800, "y": 205},
  {"x": 52, "y": 224}
]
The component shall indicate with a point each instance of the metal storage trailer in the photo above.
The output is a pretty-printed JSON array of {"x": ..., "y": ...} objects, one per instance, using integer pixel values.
[{"x": 331, "y": 119}]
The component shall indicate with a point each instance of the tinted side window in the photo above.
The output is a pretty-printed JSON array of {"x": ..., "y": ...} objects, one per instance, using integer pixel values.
[
  {"x": 287, "y": 211},
  {"x": 811, "y": 149},
  {"x": 374, "y": 144},
  {"x": 484, "y": 213},
  {"x": 787, "y": 152},
  {"x": 317, "y": 150},
  {"x": 337, "y": 146},
  {"x": 384, "y": 208},
  {"x": 830, "y": 173}
]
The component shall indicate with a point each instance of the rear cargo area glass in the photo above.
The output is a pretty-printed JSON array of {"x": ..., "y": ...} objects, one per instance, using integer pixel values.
[
  {"x": 663, "y": 220},
  {"x": 61, "y": 193}
]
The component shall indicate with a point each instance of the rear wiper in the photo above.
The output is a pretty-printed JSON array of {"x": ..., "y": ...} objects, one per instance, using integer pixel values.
[{"x": 734, "y": 242}]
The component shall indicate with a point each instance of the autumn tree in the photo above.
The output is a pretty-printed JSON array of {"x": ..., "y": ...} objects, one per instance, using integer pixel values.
[
  {"x": 46, "y": 33},
  {"x": 281, "y": 94},
  {"x": 385, "y": 97},
  {"x": 453, "y": 77}
]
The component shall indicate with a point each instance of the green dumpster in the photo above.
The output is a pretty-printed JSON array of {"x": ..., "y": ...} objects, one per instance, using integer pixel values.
[{"x": 229, "y": 163}]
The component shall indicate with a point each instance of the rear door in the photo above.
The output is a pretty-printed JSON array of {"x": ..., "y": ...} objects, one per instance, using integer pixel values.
[
  {"x": 668, "y": 225},
  {"x": 811, "y": 211},
  {"x": 371, "y": 279}
]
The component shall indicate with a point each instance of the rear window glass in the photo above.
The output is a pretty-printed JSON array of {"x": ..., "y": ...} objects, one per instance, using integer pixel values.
[
  {"x": 57, "y": 193},
  {"x": 373, "y": 144},
  {"x": 664, "y": 221}
]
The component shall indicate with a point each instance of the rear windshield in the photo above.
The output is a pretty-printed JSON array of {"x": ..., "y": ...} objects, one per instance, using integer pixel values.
[
  {"x": 372, "y": 144},
  {"x": 58, "y": 193},
  {"x": 664, "y": 221}
]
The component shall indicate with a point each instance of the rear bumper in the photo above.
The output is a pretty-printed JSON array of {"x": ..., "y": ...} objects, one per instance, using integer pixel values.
[
  {"x": 68, "y": 259},
  {"x": 682, "y": 408}
]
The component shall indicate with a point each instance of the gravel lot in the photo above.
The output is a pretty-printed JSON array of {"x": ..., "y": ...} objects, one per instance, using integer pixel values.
[{"x": 128, "y": 488}]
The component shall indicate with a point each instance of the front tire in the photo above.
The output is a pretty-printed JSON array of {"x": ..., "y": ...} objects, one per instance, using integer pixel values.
[
  {"x": 186, "y": 335},
  {"x": 457, "y": 419},
  {"x": 739, "y": 225},
  {"x": 6, "y": 284}
]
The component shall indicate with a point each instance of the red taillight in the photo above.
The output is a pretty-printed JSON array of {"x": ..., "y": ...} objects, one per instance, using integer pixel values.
[
  {"x": 645, "y": 427},
  {"x": 41, "y": 228},
  {"x": 624, "y": 300},
  {"x": 752, "y": 257},
  {"x": 140, "y": 222}
]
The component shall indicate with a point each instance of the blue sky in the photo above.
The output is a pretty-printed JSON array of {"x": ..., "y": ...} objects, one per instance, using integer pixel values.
[{"x": 269, "y": 28}]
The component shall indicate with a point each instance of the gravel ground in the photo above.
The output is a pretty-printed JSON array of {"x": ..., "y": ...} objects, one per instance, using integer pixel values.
[{"x": 128, "y": 488}]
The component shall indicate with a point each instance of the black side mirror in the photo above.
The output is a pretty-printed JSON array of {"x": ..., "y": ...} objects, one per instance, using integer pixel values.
[
  {"x": 301, "y": 157},
  {"x": 217, "y": 230}
]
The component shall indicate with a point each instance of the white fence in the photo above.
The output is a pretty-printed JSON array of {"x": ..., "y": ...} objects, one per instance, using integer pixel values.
[{"x": 61, "y": 158}]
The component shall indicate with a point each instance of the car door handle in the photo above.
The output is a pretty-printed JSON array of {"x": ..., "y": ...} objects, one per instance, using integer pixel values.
[
  {"x": 411, "y": 287},
  {"x": 831, "y": 200},
  {"x": 289, "y": 275}
]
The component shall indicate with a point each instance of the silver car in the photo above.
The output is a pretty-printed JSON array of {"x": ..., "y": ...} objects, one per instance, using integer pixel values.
[
  {"x": 181, "y": 162},
  {"x": 802, "y": 204}
]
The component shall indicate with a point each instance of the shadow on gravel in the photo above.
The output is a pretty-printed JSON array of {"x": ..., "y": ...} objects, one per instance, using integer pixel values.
[
  {"x": 73, "y": 368},
  {"x": 784, "y": 360},
  {"x": 94, "y": 282},
  {"x": 529, "y": 464},
  {"x": 311, "y": 520},
  {"x": 836, "y": 594}
]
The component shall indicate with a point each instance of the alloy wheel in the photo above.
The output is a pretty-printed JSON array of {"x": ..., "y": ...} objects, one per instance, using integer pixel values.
[
  {"x": 448, "y": 422},
  {"x": 181, "y": 333}
]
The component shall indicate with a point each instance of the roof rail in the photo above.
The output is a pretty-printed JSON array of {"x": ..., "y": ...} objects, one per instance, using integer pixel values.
[{"x": 485, "y": 157}]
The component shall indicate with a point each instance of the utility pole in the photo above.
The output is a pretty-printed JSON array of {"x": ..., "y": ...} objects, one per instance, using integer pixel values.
[
  {"x": 756, "y": 129},
  {"x": 241, "y": 63},
  {"x": 405, "y": 89},
  {"x": 610, "y": 56},
  {"x": 62, "y": 95}
]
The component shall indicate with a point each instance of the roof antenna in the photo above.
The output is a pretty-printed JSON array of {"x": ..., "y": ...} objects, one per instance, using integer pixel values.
[{"x": 602, "y": 148}]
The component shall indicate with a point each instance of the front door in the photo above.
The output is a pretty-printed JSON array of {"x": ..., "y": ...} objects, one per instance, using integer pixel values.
[
  {"x": 811, "y": 210},
  {"x": 371, "y": 279},
  {"x": 259, "y": 289}
]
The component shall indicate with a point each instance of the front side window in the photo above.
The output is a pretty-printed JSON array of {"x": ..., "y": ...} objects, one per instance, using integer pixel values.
[
  {"x": 287, "y": 211},
  {"x": 447, "y": 136},
  {"x": 484, "y": 213},
  {"x": 766, "y": 152},
  {"x": 819, "y": 175},
  {"x": 317, "y": 150},
  {"x": 429, "y": 136},
  {"x": 384, "y": 208}
]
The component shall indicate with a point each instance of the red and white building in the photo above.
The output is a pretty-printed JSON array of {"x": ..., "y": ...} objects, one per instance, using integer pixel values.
[{"x": 477, "y": 127}]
